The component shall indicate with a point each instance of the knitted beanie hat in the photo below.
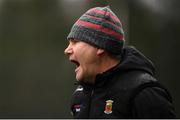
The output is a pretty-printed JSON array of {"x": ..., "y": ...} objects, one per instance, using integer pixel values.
[{"x": 100, "y": 27}]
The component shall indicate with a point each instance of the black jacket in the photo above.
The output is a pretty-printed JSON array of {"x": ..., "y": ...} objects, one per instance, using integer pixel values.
[{"x": 128, "y": 90}]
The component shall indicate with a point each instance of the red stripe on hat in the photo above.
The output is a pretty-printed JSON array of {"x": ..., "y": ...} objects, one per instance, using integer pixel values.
[
  {"x": 101, "y": 28},
  {"x": 105, "y": 12}
]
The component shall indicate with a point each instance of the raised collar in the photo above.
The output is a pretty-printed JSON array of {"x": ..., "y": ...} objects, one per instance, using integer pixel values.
[{"x": 101, "y": 78}]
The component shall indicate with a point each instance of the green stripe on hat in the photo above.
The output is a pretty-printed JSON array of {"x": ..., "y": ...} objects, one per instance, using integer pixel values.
[{"x": 102, "y": 16}]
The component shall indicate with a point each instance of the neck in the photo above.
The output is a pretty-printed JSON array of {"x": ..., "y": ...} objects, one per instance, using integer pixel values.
[
  {"x": 103, "y": 65},
  {"x": 108, "y": 64}
]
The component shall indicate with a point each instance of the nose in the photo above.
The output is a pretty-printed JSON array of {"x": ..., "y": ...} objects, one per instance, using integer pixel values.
[{"x": 68, "y": 50}]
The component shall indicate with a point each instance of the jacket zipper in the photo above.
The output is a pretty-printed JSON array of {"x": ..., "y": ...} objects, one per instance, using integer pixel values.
[{"x": 90, "y": 100}]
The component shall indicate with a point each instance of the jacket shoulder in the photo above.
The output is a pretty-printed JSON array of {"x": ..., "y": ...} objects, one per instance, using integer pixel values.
[
  {"x": 132, "y": 79},
  {"x": 152, "y": 102},
  {"x": 138, "y": 84}
]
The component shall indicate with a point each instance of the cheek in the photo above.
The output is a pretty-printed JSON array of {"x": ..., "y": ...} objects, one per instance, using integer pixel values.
[
  {"x": 86, "y": 55},
  {"x": 89, "y": 64},
  {"x": 92, "y": 58}
]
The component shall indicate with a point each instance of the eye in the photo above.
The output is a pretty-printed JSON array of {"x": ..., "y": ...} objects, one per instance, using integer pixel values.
[{"x": 74, "y": 41}]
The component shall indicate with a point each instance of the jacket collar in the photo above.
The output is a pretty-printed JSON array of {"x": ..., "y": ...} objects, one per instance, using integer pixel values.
[{"x": 101, "y": 78}]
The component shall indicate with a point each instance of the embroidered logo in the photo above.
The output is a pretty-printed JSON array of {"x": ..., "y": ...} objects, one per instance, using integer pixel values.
[
  {"x": 77, "y": 108},
  {"x": 108, "y": 107},
  {"x": 79, "y": 89}
]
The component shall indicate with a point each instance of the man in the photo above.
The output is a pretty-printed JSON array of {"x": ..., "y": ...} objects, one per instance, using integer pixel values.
[{"x": 114, "y": 81}]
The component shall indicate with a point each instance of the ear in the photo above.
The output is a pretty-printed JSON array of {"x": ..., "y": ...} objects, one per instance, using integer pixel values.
[{"x": 100, "y": 51}]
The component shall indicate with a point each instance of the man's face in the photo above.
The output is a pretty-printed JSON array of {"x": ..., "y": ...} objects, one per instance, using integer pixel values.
[{"x": 85, "y": 57}]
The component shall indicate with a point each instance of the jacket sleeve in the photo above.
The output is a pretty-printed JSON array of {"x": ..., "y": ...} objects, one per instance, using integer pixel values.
[{"x": 152, "y": 102}]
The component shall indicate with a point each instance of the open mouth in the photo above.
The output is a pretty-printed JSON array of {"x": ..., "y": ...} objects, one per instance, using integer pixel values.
[{"x": 76, "y": 63}]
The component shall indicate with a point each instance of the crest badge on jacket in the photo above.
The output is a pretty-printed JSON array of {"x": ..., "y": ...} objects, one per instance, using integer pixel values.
[{"x": 108, "y": 107}]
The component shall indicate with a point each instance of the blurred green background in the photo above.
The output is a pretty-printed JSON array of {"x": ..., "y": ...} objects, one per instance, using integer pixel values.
[{"x": 36, "y": 78}]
